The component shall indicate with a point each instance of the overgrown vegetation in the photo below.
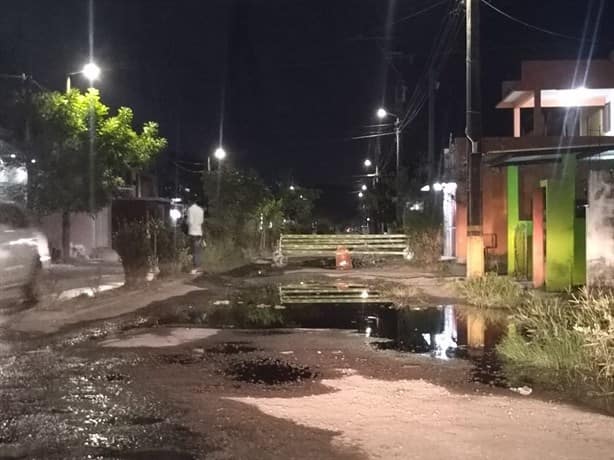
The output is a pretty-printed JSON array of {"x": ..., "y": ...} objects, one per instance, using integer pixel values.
[
  {"x": 425, "y": 238},
  {"x": 492, "y": 291},
  {"x": 246, "y": 216},
  {"x": 565, "y": 343},
  {"x": 151, "y": 246}
]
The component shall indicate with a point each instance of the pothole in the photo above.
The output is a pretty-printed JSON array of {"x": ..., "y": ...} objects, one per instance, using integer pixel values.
[
  {"x": 231, "y": 348},
  {"x": 143, "y": 420},
  {"x": 270, "y": 371},
  {"x": 153, "y": 454}
]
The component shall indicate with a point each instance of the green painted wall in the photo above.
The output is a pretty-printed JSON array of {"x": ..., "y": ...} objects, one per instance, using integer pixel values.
[
  {"x": 513, "y": 215},
  {"x": 560, "y": 226},
  {"x": 523, "y": 250},
  {"x": 579, "y": 268}
]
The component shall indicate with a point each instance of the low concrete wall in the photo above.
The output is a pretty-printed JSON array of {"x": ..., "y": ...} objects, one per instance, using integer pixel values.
[{"x": 600, "y": 228}]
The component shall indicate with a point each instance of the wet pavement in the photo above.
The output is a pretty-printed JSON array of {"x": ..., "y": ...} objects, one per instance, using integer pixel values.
[{"x": 127, "y": 387}]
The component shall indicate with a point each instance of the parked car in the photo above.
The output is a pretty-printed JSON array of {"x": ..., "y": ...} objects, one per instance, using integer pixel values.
[{"x": 24, "y": 252}]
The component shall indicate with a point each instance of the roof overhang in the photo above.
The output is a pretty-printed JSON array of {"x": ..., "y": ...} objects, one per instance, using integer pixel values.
[
  {"x": 527, "y": 156},
  {"x": 550, "y": 98}
]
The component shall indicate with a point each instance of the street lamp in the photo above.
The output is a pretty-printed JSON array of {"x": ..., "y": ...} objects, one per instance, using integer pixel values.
[
  {"x": 219, "y": 154},
  {"x": 90, "y": 70},
  {"x": 361, "y": 195},
  {"x": 292, "y": 188},
  {"x": 363, "y": 188},
  {"x": 368, "y": 163}
]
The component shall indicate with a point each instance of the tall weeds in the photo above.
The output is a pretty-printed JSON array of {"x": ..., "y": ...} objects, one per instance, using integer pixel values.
[
  {"x": 491, "y": 290},
  {"x": 567, "y": 343}
]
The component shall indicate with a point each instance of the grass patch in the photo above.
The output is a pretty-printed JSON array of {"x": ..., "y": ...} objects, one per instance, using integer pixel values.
[
  {"x": 565, "y": 344},
  {"x": 491, "y": 291}
]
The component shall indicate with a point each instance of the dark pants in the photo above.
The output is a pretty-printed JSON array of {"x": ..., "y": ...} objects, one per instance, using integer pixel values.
[{"x": 197, "y": 250}]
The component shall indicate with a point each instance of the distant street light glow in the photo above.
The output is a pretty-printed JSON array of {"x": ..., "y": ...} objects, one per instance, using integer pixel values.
[
  {"x": 368, "y": 163},
  {"x": 381, "y": 113},
  {"x": 361, "y": 195},
  {"x": 292, "y": 188},
  {"x": 91, "y": 71},
  {"x": 220, "y": 153},
  {"x": 363, "y": 188}
]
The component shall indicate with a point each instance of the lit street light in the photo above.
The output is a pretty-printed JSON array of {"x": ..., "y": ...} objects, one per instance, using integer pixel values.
[
  {"x": 381, "y": 113},
  {"x": 363, "y": 188},
  {"x": 219, "y": 154},
  {"x": 367, "y": 163},
  {"x": 90, "y": 70},
  {"x": 292, "y": 188},
  {"x": 361, "y": 195}
]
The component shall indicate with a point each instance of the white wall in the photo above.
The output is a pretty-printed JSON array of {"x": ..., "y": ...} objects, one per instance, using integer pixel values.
[{"x": 84, "y": 229}]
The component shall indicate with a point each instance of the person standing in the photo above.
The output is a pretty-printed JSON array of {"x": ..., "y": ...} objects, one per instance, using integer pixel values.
[{"x": 195, "y": 217}]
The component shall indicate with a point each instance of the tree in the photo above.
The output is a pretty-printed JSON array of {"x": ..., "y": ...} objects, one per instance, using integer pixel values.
[
  {"x": 81, "y": 154},
  {"x": 234, "y": 200},
  {"x": 297, "y": 207}
]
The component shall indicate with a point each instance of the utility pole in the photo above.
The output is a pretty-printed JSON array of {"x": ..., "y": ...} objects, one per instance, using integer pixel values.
[
  {"x": 431, "y": 138},
  {"x": 473, "y": 131}
]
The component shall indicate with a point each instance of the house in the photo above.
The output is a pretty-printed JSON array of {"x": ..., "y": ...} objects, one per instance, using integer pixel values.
[{"x": 547, "y": 191}]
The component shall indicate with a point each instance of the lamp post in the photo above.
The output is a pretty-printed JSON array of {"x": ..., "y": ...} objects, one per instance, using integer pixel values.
[
  {"x": 381, "y": 114},
  {"x": 90, "y": 70}
]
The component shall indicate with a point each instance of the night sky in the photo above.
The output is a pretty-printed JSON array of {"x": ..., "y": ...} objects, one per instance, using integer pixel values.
[{"x": 299, "y": 77}]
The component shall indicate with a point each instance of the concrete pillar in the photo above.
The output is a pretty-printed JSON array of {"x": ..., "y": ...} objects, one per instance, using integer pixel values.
[
  {"x": 538, "y": 116},
  {"x": 476, "y": 330},
  {"x": 461, "y": 231},
  {"x": 513, "y": 216},
  {"x": 475, "y": 254},
  {"x": 560, "y": 226},
  {"x": 539, "y": 275},
  {"x": 600, "y": 228},
  {"x": 516, "y": 121}
]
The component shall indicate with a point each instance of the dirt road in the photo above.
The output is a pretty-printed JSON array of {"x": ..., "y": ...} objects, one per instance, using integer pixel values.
[{"x": 158, "y": 381}]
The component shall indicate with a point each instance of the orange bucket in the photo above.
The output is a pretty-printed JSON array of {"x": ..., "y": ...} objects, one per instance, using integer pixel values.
[{"x": 343, "y": 259}]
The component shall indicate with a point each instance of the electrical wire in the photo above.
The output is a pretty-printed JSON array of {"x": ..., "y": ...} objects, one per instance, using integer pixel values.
[
  {"x": 418, "y": 13},
  {"x": 528, "y": 25}
]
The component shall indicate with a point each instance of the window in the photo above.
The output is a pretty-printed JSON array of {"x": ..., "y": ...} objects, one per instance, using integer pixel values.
[{"x": 12, "y": 216}]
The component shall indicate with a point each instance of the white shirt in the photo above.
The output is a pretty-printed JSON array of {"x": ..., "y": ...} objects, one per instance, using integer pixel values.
[{"x": 195, "y": 219}]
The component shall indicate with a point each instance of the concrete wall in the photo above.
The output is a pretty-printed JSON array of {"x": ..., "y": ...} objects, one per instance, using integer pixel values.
[
  {"x": 560, "y": 226},
  {"x": 85, "y": 230},
  {"x": 600, "y": 228}
]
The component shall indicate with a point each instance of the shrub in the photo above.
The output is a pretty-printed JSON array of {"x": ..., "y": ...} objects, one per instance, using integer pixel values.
[
  {"x": 145, "y": 246},
  {"x": 131, "y": 241},
  {"x": 491, "y": 290},
  {"x": 425, "y": 239}
]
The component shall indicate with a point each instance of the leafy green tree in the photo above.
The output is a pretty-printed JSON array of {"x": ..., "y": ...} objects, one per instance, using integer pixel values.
[
  {"x": 82, "y": 153},
  {"x": 235, "y": 198}
]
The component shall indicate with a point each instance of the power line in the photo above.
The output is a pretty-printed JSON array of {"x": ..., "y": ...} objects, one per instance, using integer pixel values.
[
  {"x": 422, "y": 11},
  {"x": 528, "y": 25}
]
